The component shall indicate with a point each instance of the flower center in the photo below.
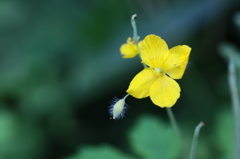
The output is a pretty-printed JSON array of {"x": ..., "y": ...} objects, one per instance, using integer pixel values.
[{"x": 158, "y": 71}]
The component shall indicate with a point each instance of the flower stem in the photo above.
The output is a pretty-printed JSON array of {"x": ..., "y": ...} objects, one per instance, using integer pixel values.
[
  {"x": 133, "y": 22},
  {"x": 176, "y": 129},
  {"x": 173, "y": 122},
  {"x": 135, "y": 36},
  {"x": 232, "y": 79},
  {"x": 195, "y": 141},
  {"x": 124, "y": 98}
]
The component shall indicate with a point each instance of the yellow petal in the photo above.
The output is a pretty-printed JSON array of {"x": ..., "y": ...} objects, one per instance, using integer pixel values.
[
  {"x": 154, "y": 51},
  {"x": 165, "y": 91},
  {"x": 177, "y": 60},
  {"x": 140, "y": 85},
  {"x": 128, "y": 50}
]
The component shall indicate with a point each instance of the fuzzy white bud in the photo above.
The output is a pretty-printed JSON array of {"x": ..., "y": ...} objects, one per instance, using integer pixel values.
[{"x": 117, "y": 108}]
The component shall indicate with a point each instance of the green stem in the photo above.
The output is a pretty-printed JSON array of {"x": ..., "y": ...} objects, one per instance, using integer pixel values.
[
  {"x": 195, "y": 141},
  {"x": 133, "y": 22},
  {"x": 135, "y": 36},
  {"x": 232, "y": 79},
  {"x": 177, "y": 130},
  {"x": 174, "y": 122},
  {"x": 124, "y": 98}
]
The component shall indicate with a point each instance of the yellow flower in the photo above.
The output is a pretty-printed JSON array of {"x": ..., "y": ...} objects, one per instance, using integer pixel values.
[
  {"x": 129, "y": 49},
  {"x": 157, "y": 81}
]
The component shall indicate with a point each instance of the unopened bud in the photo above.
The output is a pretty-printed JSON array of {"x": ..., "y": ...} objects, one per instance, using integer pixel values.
[{"x": 117, "y": 108}]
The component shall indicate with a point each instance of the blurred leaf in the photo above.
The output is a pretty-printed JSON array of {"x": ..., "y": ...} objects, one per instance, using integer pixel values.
[
  {"x": 151, "y": 138},
  {"x": 18, "y": 140},
  {"x": 8, "y": 127},
  {"x": 97, "y": 152},
  {"x": 224, "y": 131}
]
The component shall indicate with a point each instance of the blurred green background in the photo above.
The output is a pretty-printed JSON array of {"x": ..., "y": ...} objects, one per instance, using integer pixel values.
[{"x": 60, "y": 66}]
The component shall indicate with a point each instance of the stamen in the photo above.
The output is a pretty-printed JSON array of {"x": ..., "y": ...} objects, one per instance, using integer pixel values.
[{"x": 158, "y": 70}]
